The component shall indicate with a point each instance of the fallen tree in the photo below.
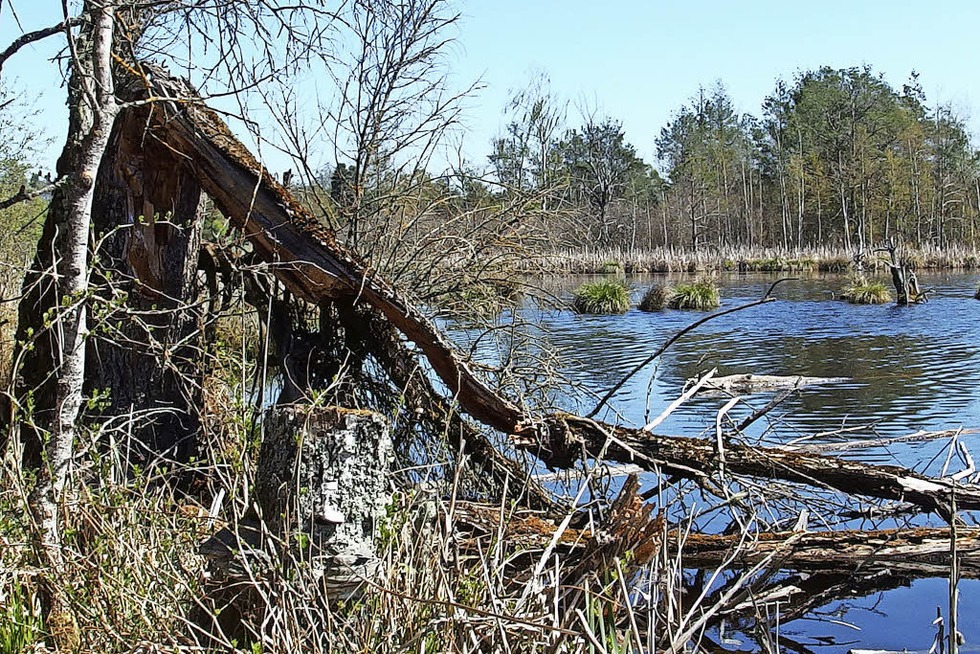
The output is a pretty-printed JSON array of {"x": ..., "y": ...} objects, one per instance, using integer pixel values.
[{"x": 306, "y": 257}]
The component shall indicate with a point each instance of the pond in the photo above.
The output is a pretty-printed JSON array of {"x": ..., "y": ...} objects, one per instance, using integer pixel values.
[{"x": 906, "y": 368}]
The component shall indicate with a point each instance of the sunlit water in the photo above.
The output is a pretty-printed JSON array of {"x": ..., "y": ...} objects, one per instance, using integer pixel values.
[{"x": 907, "y": 368}]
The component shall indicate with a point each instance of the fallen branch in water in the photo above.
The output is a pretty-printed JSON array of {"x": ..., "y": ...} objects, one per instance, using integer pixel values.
[
  {"x": 673, "y": 339},
  {"x": 563, "y": 439}
]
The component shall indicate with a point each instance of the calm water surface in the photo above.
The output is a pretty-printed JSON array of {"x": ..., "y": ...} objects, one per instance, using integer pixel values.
[{"x": 907, "y": 369}]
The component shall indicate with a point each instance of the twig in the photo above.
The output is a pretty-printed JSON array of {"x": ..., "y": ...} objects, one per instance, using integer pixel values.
[
  {"x": 681, "y": 400},
  {"x": 673, "y": 339},
  {"x": 32, "y": 37},
  {"x": 23, "y": 195}
]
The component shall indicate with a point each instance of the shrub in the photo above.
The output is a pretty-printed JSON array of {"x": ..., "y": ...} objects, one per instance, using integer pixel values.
[
  {"x": 861, "y": 291},
  {"x": 602, "y": 297},
  {"x": 701, "y": 295},
  {"x": 656, "y": 297}
]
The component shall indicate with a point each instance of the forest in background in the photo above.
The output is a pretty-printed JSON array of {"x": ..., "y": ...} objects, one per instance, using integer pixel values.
[{"x": 838, "y": 158}]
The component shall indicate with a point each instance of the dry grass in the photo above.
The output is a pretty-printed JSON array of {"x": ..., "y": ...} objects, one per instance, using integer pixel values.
[
  {"x": 741, "y": 259},
  {"x": 656, "y": 298}
]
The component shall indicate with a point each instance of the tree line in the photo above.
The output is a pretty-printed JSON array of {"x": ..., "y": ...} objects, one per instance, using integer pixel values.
[{"x": 838, "y": 157}]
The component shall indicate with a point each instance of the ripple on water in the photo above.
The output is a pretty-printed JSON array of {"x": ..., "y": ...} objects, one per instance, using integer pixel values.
[{"x": 909, "y": 368}]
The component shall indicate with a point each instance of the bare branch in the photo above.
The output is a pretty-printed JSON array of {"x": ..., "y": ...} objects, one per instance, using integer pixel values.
[
  {"x": 24, "y": 195},
  {"x": 33, "y": 37}
]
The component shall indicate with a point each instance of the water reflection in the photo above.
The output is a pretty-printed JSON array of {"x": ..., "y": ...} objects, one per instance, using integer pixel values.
[{"x": 909, "y": 368}]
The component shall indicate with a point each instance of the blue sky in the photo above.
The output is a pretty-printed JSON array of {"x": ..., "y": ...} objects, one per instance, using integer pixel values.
[{"x": 640, "y": 61}]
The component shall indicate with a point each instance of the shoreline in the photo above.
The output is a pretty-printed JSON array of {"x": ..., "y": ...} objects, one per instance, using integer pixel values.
[{"x": 678, "y": 260}]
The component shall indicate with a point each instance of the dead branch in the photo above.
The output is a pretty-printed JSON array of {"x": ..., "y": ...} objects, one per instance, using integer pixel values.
[
  {"x": 565, "y": 438},
  {"x": 33, "y": 37},
  {"x": 24, "y": 195},
  {"x": 919, "y": 552},
  {"x": 307, "y": 259},
  {"x": 302, "y": 253}
]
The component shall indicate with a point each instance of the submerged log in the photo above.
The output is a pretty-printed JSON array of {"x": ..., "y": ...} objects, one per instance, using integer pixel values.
[
  {"x": 917, "y": 552},
  {"x": 750, "y": 383}
]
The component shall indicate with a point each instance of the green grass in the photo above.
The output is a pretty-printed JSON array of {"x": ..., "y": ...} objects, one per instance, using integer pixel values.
[
  {"x": 611, "y": 268},
  {"x": 602, "y": 297},
  {"x": 20, "y": 620},
  {"x": 656, "y": 297},
  {"x": 701, "y": 295},
  {"x": 861, "y": 291}
]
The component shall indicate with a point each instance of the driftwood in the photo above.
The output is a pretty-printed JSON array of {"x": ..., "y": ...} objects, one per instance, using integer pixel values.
[
  {"x": 749, "y": 383},
  {"x": 568, "y": 438},
  {"x": 917, "y": 552},
  {"x": 913, "y": 552}
]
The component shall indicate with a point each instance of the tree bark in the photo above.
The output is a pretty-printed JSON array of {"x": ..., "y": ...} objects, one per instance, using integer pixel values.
[
  {"x": 52, "y": 320},
  {"x": 148, "y": 351},
  {"x": 562, "y": 439}
]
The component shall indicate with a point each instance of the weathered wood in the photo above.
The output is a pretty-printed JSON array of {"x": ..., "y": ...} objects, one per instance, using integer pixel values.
[
  {"x": 146, "y": 343},
  {"x": 323, "y": 481},
  {"x": 302, "y": 252},
  {"x": 563, "y": 439},
  {"x": 322, "y": 489},
  {"x": 903, "y": 278},
  {"x": 751, "y": 383},
  {"x": 307, "y": 259},
  {"x": 922, "y": 552}
]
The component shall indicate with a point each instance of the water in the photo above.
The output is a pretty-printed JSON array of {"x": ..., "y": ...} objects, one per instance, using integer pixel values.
[{"x": 907, "y": 369}]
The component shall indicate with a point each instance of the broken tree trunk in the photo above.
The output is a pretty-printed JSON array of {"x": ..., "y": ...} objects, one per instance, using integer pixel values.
[
  {"x": 903, "y": 278},
  {"x": 146, "y": 345},
  {"x": 302, "y": 252},
  {"x": 322, "y": 487},
  {"x": 305, "y": 256},
  {"x": 323, "y": 481}
]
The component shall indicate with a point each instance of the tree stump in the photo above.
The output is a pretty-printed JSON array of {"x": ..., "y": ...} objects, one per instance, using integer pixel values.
[
  {"x": 322, "y": 483},
  {"x": 322, "y": 487}
]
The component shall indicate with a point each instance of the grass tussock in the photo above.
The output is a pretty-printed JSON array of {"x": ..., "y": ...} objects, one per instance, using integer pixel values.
[
  {"x": 656, "y": 298},
  {"x": 701, "y": 295},
  {"x": 602, "y": 297},
  {"x": 861, "y": 291}
]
